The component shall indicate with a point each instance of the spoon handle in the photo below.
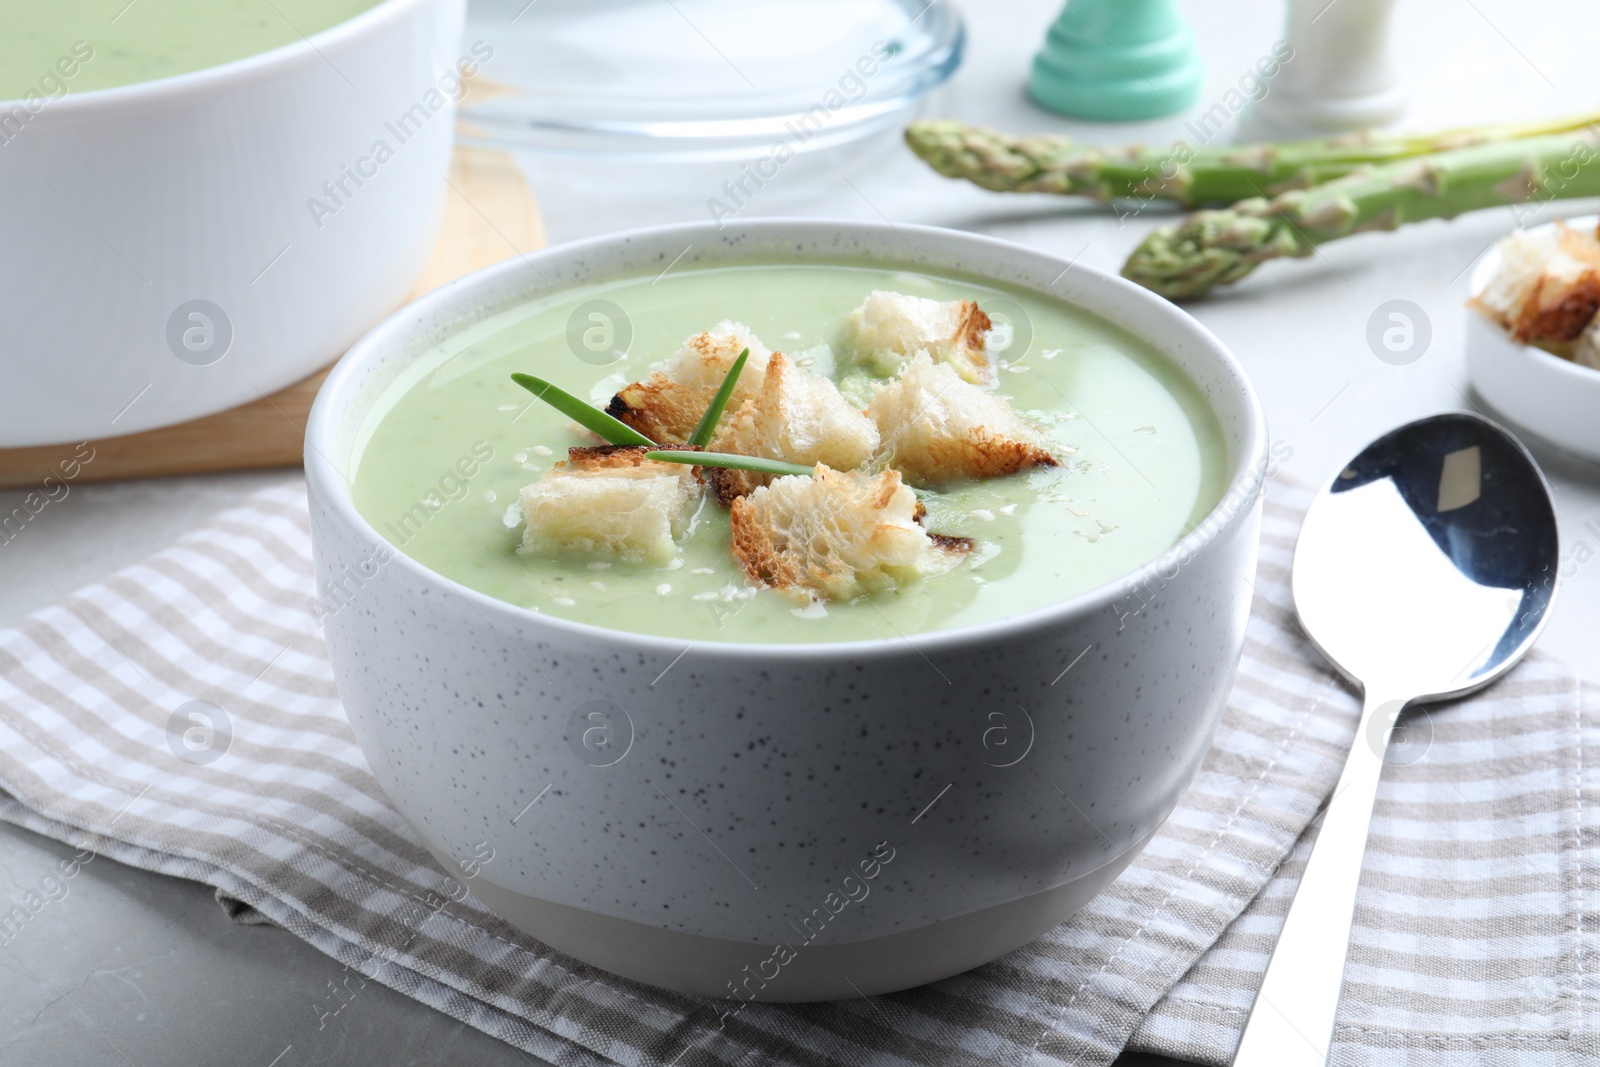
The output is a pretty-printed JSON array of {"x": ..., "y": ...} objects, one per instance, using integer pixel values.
[{"x": 1291, "y": 1024}]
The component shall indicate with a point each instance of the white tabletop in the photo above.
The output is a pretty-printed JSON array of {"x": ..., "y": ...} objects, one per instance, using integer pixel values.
[{"x": 139, "y": 968}]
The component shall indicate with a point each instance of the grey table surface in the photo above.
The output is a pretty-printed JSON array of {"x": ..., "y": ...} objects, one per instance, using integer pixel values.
[{"x": 137, "y": 968}]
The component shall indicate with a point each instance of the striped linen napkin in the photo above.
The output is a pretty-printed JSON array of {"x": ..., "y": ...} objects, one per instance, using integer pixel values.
[{"x": 1475, "y": 930}]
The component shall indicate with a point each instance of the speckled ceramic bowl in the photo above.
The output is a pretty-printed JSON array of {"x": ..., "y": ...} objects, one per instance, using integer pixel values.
[{"x": 772, "y": 821}]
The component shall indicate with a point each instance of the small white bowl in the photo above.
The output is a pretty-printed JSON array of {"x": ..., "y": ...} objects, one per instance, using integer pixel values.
[
  {"x": 163, "y": 255},
  {"x": 1553, "y": 398}
]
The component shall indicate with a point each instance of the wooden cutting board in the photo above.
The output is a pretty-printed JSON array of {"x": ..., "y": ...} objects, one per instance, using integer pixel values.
[{"x": 490, "y": 215}]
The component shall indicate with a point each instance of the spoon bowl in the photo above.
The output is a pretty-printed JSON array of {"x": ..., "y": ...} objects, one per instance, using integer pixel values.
[
  {"x": 1424, "y": 570},
  {"x": 1428, "y": 565}
]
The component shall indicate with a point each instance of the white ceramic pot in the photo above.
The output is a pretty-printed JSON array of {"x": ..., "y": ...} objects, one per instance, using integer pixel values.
[
  {"x": 785, "y": 822},
  {"x": 1554, "y": 399},
  {"x": 163, "y": 257}
]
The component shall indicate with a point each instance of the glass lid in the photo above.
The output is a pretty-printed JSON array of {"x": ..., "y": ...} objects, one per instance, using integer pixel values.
[{"x": 702, "y": 78}]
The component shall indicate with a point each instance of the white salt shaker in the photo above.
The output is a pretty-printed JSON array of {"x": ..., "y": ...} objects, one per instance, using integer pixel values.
[{"x": 1340, "y": 77}]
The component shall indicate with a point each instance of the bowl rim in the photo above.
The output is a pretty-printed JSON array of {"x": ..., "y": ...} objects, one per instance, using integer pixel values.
[
  {"x": 246, "y": 70},
  {"x": 1548, "y": 361},
  {"x": 1237, "y": 499}
]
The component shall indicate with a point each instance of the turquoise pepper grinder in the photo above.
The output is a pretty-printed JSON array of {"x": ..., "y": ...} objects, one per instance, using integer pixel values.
[{"x": 1117, "y": 60}]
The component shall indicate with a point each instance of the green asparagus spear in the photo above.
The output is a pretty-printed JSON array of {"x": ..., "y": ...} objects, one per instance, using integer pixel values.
[
  {"x": 1208, "y": 174},
  {"x": 1212, "y": 248}
]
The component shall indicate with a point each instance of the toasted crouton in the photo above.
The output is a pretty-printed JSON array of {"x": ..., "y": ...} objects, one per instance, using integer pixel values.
[
  {"x": 888, "y": 328},
  {"x": 667, "y": 405},
  {"x": 1547, "y": 288},
  {"x": 837, "y": 535},
  {"x": 936, "y": 428},
  {"x": 610, "y": 502},
  {"x": 798, "y": 417}
]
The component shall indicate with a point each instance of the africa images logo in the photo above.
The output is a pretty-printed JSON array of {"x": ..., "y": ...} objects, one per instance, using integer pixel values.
[
  {"x": 600, "y": 733},
  {"x": 199, "y": 732}
]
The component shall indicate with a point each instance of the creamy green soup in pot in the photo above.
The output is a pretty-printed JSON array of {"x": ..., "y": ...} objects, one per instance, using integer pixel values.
[
  {"x": 446, "y": 449},
  {"x": 49, "y": 47}
]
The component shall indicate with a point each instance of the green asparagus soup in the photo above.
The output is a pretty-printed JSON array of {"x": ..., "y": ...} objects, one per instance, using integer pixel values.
[
  {"x": 442, "y": 456},
  {"x": 48, "y": 47}
]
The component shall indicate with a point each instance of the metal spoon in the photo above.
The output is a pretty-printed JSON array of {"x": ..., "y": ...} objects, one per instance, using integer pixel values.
[{"x": 1424, "y": 571}]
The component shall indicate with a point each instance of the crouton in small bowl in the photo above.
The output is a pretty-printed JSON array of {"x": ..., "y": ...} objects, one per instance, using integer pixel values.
[
  {"x": 1533, "y": 335},
  {"x": 793, "y": 610}
]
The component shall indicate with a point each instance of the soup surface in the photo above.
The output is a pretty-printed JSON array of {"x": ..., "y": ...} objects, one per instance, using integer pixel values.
[
  {"x": 50, "y": 46},
  {"x": 446, "y": 448}
]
